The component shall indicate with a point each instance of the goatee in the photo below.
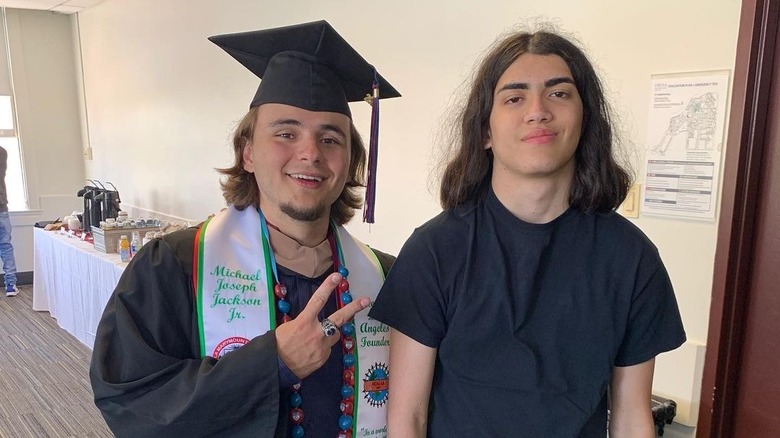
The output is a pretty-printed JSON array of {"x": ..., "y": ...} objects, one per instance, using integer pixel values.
[{"x": 304, "y": 214}]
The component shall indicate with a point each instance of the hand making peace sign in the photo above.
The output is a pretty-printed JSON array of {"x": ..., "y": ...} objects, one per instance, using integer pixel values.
[{"x": 301, "y": 343}]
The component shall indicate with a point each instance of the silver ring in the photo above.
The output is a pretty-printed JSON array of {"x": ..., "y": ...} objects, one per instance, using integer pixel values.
[{"x": 329, "y": 328}]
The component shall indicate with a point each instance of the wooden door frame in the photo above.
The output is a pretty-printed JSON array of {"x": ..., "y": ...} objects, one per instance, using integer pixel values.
[{"x": 740, "y": 196}]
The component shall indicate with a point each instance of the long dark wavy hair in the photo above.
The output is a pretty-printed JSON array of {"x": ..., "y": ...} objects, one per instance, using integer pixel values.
[
  {"x": 599, "y": 184},
  {"x": 239, "y": 187}
]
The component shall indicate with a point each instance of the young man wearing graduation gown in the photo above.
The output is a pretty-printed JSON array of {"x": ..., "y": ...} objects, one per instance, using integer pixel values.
[{"x": 233, "y": 328}]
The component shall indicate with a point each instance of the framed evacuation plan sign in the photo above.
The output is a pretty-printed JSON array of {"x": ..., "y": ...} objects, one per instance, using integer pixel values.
[{"x": 685, "y": 134}]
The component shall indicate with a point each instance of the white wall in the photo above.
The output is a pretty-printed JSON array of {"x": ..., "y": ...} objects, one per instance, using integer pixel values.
[
  {"x": 162, "y": 101},
  {"x": 46, "y": 89}
]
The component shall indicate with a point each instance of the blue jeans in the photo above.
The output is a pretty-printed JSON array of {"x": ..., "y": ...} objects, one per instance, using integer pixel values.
[{"x": 7, "y": 249}]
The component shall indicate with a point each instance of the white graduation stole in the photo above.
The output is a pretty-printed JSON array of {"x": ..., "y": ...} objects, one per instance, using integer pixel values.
[{"x": 235, "y": 302}]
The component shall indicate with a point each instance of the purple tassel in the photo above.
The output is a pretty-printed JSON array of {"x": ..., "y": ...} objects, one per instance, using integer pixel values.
[{"x": 373, "y": 150}]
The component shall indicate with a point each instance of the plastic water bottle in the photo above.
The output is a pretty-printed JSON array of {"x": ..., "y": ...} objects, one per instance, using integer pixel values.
[
  {"x": 147, "y": 237},
  {"x": 135, "y": 244},
  {"x": 124, "y": 248}
]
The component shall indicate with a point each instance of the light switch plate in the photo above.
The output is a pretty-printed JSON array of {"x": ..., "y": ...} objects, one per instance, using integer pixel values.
[{"x": 630, "y": 206}]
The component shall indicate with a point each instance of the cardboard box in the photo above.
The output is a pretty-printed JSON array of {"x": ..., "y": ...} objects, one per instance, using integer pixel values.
[{"x": 108, "y": 240}]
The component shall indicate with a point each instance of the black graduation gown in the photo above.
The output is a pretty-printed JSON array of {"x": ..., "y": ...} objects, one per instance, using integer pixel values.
[{"x": 147, "y": 374}]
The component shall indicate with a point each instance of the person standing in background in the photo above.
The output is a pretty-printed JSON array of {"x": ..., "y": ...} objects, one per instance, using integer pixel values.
[{"x": 6, "y": 247}]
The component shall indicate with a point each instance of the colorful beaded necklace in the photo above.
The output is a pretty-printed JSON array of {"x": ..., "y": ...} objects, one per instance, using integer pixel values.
[{"x": 343, "y": 297}]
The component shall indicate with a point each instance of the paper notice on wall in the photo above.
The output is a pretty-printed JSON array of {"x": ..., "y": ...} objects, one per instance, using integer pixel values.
[{"x": 685, "y": 137}]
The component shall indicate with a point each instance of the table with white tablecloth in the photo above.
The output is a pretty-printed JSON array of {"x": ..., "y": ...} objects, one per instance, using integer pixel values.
[{"x": 73, "y": 281}]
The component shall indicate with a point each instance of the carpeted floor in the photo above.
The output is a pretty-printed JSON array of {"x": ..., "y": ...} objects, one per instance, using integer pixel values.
[{"x": 44, "y": 385}]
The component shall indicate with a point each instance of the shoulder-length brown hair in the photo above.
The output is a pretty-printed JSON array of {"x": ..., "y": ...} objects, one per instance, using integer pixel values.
[
  {"x": 599, "y": 184},
  {"x": 239, "y": 187}
]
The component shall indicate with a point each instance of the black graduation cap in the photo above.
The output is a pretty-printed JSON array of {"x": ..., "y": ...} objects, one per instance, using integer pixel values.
[{"x": 307, "y": 65}]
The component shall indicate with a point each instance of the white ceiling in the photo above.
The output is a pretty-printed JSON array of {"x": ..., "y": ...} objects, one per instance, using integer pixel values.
[{"x": 61, "y": 6}]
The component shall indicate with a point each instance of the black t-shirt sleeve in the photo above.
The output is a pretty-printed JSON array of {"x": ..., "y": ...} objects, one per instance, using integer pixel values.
[
  {"x": 654, "y": 323},
  {"x": 411, "y": 299}
]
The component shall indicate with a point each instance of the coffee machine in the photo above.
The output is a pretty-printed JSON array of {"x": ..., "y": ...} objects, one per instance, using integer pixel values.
[
  {"x": 109, "y": 202},
  {"x": 100, "y": 203}
]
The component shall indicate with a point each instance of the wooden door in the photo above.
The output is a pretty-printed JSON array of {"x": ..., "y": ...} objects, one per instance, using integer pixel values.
[
  {"x": 757, "y": 404},
  {"x": 741, "y": 386}
]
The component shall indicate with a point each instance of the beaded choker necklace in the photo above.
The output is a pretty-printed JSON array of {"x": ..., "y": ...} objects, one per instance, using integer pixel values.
[{"x": 343, "y": 297}]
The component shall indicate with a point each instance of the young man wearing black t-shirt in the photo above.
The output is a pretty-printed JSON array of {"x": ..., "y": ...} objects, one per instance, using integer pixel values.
[{"x": 528, "y": 303}]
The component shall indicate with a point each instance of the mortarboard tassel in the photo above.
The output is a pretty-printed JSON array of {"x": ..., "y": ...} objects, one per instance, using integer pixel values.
[{"x": 373, "y": 150}]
